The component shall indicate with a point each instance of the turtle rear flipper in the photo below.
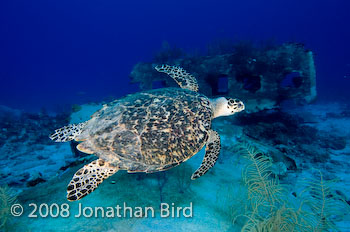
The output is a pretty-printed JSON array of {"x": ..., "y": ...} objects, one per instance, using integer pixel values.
[
  {"x": 86, "y": 179},
  {"x": 67, "y": 133}
]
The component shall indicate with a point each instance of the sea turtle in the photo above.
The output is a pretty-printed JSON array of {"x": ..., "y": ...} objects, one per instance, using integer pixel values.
[{"x": 148, "y": 132}]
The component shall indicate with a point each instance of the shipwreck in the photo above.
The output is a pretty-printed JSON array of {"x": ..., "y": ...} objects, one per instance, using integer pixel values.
[{"x": 261, "y": 77}]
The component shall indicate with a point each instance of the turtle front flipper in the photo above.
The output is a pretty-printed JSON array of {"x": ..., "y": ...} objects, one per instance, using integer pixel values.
[
  {"x": 67, "y": 133},
  {"x": 86, "y": 179},
  {"x": 212, "y": 151},
  {"x": 182, "y": 78}
]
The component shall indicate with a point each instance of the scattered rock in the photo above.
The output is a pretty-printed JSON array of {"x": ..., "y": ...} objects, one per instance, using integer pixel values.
[
  {"x": 41, "y": 157},
  {"x": 279, "y": 169},
  {"x": 25, "y": 177},
  {"x": 333, "y": 142},
  {"x": 35, "y": 181},
  {"x": 78, "y": 162}
]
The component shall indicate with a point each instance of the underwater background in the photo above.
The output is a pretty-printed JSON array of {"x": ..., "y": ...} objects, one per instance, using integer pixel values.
[{"x": 284, "y": 162}]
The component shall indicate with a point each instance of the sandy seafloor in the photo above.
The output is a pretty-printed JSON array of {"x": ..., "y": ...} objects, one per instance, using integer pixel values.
[{"x": 209, "y": 194}]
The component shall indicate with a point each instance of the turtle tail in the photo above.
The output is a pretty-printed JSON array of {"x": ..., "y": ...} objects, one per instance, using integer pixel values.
[{"x": 67, "y": 133}]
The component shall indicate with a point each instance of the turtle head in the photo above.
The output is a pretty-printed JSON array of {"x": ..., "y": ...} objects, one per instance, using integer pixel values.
[{"x": 223, "y": 106}]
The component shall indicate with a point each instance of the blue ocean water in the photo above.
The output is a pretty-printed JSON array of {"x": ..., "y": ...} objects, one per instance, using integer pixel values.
[
  {"x": 51, "y": 52},
  {"x": 61, "y": 60}
]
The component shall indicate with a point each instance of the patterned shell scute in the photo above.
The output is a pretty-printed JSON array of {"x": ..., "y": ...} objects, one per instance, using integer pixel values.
[{"x": 151, "y": 130}]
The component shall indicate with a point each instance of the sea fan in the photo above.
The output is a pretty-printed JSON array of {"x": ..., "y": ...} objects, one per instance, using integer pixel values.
[
  {"x": 273, "y": 210},
  {"x": 327, "y": 206},
  {"x": 7, "y": 198},
  {"x": 270, "y": 208},
  {"x": 263, "y": 189}
]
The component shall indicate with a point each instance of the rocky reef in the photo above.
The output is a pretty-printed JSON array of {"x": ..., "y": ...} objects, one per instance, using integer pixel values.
[
  {"x": 293, "y": 140},
  {"x": 27, "y": 155},
  {"x": 261, "y": 77}
]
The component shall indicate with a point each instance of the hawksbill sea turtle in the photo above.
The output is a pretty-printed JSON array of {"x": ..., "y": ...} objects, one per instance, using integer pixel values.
[{"x": 148, "y": 132}]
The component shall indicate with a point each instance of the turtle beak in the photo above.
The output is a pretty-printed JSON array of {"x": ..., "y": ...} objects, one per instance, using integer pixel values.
[{"x": 241, "y": 105}]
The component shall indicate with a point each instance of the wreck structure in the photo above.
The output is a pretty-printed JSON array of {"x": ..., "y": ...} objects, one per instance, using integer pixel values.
[{"x": 261, "y": 77}]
